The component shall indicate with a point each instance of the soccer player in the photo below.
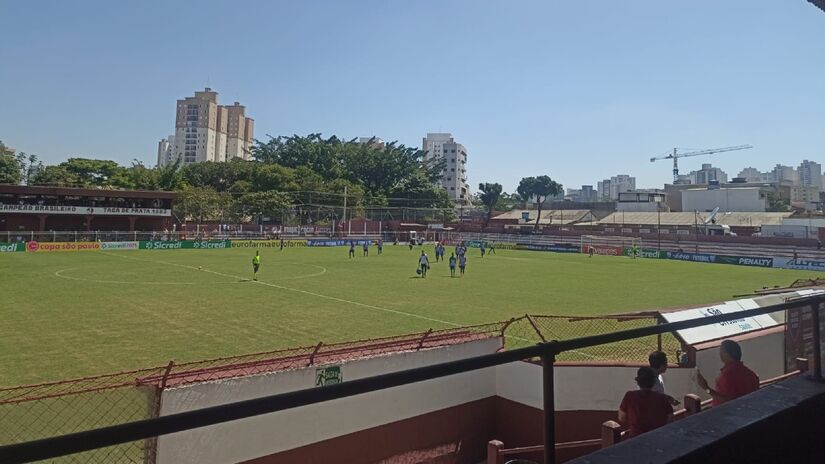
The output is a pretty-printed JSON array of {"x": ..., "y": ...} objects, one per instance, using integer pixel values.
[
  {"x": 380, "y": 246},
  {"x": 351, "y": 249},
  {"x": 366, "y": 248},
  {"x": 424, "y": 264},
  {"x": 492, "y": 248},
  {"x": 462, "y": 263},
  {"x": 282, "y": 244},
  {"x": 590, "y": 251},
  {"x": 452, "y": 265},
  {"x": 483, "y": 247},
  {"x": 256, "y": 264}
]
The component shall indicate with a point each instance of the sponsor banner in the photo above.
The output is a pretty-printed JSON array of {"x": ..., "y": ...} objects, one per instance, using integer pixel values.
[
  {"x": 697, "y": 257},
  {"x": 505, "y": 245},
  {"x": 499, "y": 245},
  {"x": 12, "y": 247},
  {"x": 643, "y": 253},
  {"x": 267, "y": 243},
  {"x": 184, "y": 244},
  {"x": 745, "y": 261},
  {"x": 556, "y": 247},
  {"x": 85, "y": 210},
  {"x": 721, "y": 329},
  {"x": 119, "y": 245},
  {"x": 603, "y": 250},
  {"x": 322, "y": 243},
  {"x": 800, "y": 264},
  {"x": 37, "y": 247}
]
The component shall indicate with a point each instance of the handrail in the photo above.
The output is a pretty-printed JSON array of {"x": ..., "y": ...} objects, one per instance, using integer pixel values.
[{"x": 123, "y": 433}]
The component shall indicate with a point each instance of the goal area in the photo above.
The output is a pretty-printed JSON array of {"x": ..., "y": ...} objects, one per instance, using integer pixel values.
[{"x": 613, "y": 246}]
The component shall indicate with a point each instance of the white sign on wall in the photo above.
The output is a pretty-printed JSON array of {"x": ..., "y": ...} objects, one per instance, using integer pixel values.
[
  {"x": 722, "y": 329},
  {"x": 85, "y": 210}
]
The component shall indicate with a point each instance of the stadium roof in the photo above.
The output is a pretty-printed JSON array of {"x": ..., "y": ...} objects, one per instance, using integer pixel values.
[
  {"x": 551, "y": 216},
  {"x": 687, "y": 218},
  {"x": 818, "y": 3}
]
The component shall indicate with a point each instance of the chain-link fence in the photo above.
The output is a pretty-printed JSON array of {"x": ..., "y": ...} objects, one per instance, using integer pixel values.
[
  {"x": 50, "y": 409},
  {"x": 45, "y": 410},
  {"x": 531, "y": 329}
]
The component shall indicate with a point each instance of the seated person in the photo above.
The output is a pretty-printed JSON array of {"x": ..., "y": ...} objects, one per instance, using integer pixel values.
[{"x": 643, "y": 410}]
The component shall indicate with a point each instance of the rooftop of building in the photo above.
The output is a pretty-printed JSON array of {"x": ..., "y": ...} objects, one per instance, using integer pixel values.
[
  {"x": 551, "y": 216},
  {"x": 689, "y": 218}
]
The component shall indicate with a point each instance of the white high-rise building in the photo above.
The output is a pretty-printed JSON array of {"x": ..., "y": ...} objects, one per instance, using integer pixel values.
[
  {"x": 609, "y": 189},
  {"x": 810, "y": 174},
  {"x": 751, "y": 174},
  {"x": 707, "y": 174},
  {"x": 782, "y": 174},
  {"x": 206, "y": 131},
  {"x": 166, "y": 151},
  {"x": 454, "y": 175}
]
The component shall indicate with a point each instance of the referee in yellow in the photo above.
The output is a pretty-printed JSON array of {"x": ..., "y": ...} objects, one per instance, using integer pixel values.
[{"x": 256, "y": 264}]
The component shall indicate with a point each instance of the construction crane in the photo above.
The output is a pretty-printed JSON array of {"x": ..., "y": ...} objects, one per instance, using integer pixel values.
[{"x": 676, "y": 155}]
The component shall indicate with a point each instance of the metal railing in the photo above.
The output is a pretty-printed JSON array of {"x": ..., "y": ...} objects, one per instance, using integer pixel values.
[{"x": 547, "y": 351}]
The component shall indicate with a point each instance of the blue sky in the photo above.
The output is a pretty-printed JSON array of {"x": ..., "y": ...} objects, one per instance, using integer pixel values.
[{"x": 580, "y": 90}]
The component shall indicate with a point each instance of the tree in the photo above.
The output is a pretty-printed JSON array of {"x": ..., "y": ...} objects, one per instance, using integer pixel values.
[
  {"x": 776, "y": 203},
  {"x": 539, "y": 187},
  {"x": 9, "y": 166},
  {"x": 56, "y": 176},
  {"x": 262, "y": 204},
  {"x": 29, "y": 166},
  {"x": 202, "y": 204},
  {"x": 489, "y": 195},
  {"x": 97, "y": 173}
]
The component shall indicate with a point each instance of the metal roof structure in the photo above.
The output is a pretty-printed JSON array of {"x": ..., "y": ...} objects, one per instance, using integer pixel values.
[
  {"x": 550, "y": 216},
  {"x": 687, "y": 218}
]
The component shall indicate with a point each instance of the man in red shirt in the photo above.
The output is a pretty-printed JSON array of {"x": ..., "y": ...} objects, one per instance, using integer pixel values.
[
  {"x": 643, "y": 410},
  {"x": 735, "y": 380}
]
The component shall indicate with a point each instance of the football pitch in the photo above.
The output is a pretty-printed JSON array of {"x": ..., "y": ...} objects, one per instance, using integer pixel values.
[{"x": 67, "y": 315}]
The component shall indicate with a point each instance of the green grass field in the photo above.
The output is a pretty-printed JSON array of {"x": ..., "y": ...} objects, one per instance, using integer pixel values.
[{"x": 67, "y": 315}]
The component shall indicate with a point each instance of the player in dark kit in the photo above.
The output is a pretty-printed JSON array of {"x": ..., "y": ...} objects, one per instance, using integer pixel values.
[
  {"x": 352, "y": 249},
  {"x": 380, "y": 246},
  {"x": 366, "y": 248}
]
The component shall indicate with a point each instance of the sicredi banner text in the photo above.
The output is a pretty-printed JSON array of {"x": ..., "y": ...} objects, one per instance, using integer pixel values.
[
  {"x": 43, "y": 247},
  {"x": 11, "y": 247},
  {"x": 119, "y": 245}
]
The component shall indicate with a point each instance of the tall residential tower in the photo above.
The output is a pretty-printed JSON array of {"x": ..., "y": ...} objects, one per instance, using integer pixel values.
[
  {"x": 454, "y": 175},
  {"x": 207, "y": 131}
]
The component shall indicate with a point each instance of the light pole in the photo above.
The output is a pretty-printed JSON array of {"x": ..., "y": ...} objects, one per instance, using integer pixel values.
[
  {"x": 659, "y": 226},
  {"x": 696, "y": 229}
]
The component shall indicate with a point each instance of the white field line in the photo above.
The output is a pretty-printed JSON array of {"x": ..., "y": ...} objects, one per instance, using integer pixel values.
[
  {"x": 297, "y": 290},
  {"x": 318, "y": 295}
]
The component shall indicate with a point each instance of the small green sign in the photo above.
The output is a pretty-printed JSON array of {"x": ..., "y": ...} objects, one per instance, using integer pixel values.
[{"x": 328, "y": 376}]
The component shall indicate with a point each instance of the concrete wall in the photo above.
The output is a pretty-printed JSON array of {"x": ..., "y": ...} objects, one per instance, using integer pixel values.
[
  {"x": 272, "y": 433},
  {"x": 744, "y": 199},
  {"x": 765, "y": 355}
]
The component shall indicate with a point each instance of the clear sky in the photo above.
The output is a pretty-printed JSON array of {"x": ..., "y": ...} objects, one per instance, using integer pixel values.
[{"x": 580, "y": 90}]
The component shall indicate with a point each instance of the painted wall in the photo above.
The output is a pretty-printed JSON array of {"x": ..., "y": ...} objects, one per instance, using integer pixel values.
[
  {"x": 764, "y": 355},
  {"x": 284, "y": 430}
]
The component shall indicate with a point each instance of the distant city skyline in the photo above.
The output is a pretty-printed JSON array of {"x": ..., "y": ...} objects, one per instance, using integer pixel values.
[{"x": 576, "y": 90}]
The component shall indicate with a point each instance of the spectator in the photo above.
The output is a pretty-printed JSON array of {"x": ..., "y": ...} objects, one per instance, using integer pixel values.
[
  {"x": 658, "y": 362},
  {"x": 735, "y": 379},
  {"x": 643, "y": 410}
]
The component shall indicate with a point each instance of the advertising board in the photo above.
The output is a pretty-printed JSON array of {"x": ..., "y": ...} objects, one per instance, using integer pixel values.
[
  {"x": 602, "y": 250},
  {"x": 185, "y": 244},
  {"x": 722, "y": 329},
  {"x": 643, "y": 253},
  {"x": 44, "y": 247},
  {"x": 12, "y": 247},
  {"x": 119, "y": 245},
  {"x": 696, "y": 257},
  {"x": 799, "y": 263},
  {"x": 268, "y": 243}
]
